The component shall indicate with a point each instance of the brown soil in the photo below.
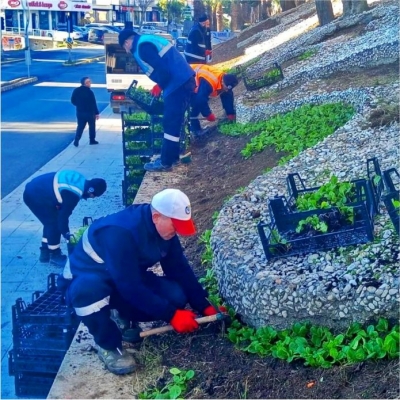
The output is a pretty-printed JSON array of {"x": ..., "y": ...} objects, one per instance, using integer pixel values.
[{"x": 216, "y": 173}]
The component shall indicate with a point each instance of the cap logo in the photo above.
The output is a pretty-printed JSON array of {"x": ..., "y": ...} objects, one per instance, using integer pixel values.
[
  {"x": 187, "y": 210},
  {"x": 91, "y": 190}
]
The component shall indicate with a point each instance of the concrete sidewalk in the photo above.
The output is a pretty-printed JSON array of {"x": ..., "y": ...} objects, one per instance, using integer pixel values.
[{"x": 21, "y": 272}]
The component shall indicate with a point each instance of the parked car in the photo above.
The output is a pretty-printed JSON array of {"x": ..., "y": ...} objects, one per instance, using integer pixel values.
[
  {"x": 63, "y": 35},
  {"x": 96, "y": 35},
  {"x": 150, "y": 30},
  {"x": 115, "y": 28},
  {"x": 181, "y": 43}
]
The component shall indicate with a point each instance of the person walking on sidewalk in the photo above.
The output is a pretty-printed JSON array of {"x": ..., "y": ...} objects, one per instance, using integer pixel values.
[
  {"x": 164, "y": 65},
  {"x": 197, "y": 46},
  {"x": 86, "y": 110},
  {"x": 109, "y": 271},
  {"x": 52, "y": 197},
  {"x": 211, "y": 82}
]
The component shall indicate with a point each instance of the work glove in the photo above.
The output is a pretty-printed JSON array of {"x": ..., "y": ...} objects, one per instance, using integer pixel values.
[
  {"x": 210, "y": 310},
  {"x": 211, "y": 117},
  {"x": 183, "y": 321},
  {"x": 67, "y": 236},
  {"x": 208, "y": 52},
  {"x": 231, "y": 117},
  {"x": 156, "y": 91}
]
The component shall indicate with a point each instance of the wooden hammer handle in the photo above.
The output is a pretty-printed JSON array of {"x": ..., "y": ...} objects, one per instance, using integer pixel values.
[{"x": 168, "y": 328}]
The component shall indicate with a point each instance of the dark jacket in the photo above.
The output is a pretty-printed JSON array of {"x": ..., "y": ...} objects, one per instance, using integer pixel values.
[
  {"x": 195, "y": 49},
  {"x": 43, "y": 188},
  {"x": 199, "y": 100},
  {"x": 162, "y": 62},
  {"x": 84, "y": 101},
  {"x": 129, "y": 244}
]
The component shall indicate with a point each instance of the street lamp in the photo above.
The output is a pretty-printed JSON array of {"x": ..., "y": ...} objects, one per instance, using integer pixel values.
[{"x": 28, "y": 60}]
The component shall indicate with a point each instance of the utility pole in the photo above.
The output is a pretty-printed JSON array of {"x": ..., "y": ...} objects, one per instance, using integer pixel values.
[
  {"x": 69, "y": 40},
  {"x": 28, "y": 60}
]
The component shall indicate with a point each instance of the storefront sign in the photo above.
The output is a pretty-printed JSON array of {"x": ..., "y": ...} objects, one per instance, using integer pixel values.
[{"x": 56, "y": 5}]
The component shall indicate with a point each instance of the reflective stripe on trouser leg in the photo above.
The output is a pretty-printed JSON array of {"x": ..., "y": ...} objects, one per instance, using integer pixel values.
[
  {"x": 169, "y": 150},
  {"x": 92, "y": 308}
]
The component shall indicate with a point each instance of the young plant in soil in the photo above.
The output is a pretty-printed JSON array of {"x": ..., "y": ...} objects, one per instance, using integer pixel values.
[
  {"x": 175, "y": 388},
  {"x": 139, "y": 116}
]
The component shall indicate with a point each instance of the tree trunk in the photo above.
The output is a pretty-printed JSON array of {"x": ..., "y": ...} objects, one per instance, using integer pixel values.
[
  {"x": 265, "y": 9},
  {"x": 324, "y": 11},
  {"x": 219, "y": 16},
  {"x": 198, "y": 9},
  {"x": 287, "y": 5},
  {"x": 351, "y": 7},
  {"x": 235, "y": 9}
]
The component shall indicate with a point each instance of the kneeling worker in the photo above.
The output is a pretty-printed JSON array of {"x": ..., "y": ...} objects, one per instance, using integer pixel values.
[
  {"x": 211, "y": 82},
  {"x": 109, "y": 270},
  {"x": 52, "y": 197}
]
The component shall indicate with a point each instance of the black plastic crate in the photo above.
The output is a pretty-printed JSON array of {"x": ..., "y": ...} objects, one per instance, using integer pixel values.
[
  {"x": 391, "y": 179},
  {"x": 363, "y": 187},
  {"x": 46, "y": 308},
  {"x": 136, "y": 134},
  {"x": 128, "y": 194},
  {"x": 375, "y": 175},
  {"x": 358, "y": 233},
  {"x": 29, "y": 361},
  {"x": 45, "y": 339},
  {"x": 33, "y": 385},
  {"x": 270, "y": 76},
  {"x": 152, "y": 105},
  {"x": 128, "y": 120}
]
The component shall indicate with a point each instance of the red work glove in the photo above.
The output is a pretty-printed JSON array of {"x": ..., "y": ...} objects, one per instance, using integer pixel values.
[
  {"x": 210, "y": 310},
  {"x": 231, "y": 117},
  {"x": 211, "y": 117},
  {"x": 156, "y": 91},
  {"x": 183, "y": 321},
  {"x": 208, "y": 53}
]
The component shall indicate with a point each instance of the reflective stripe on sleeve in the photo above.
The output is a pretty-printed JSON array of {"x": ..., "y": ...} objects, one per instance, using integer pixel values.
[
  {"x": 87, "y": 247},
  {"x": 171, "y": 138},
  {"x": 92, "y": 308}
]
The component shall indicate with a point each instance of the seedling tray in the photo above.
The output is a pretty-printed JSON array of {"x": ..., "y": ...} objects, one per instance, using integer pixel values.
[
  {"x": 358, "y": 233},
  {"x": 152, "y": 105},
  {"x": 46, "y": 307},
  {"x": 270, "y": 76},
  {"x": 131, "y": 121},
  {"x": 392, "y": 182},
  {"x": 364, "y": 192}
]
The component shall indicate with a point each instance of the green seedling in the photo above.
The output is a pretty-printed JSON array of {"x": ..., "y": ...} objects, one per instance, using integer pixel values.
[{"x": 175, "y": 388}]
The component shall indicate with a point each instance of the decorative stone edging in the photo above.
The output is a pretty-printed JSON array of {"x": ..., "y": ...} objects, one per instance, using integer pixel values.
[{"x": 19, "y": 82}]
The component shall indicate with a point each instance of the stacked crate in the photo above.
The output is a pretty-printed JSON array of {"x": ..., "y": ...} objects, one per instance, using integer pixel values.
[
  {"x": 42, "y": 334},
  {"x": 137, "y": 150}
]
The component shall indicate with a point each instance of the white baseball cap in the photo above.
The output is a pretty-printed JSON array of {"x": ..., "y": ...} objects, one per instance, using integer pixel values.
[{"x": 176, "y": 205}]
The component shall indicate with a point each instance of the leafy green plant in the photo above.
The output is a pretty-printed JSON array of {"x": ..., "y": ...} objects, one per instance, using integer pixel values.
[
  {"x": 139, "y": 116},
  {"x": 314, "y": 222},
  {"x": 292, "y": 132},
  {"x": 308, "y": 54},
  {"x": 136, "y": 145},
  {"x": 77, "y": 235},
  {"x": 174, "y": 388}
]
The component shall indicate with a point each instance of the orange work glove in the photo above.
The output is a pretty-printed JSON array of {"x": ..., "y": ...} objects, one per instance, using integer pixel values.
[
  {"x": 184, "y": 321},
  {"x": 208, "y": 53},
  {"x": 210, "y": 310},
  {"x": 231, "y": 117},
  {"x": 156, "y": 91},
  {"x": 211, "y": 117}
]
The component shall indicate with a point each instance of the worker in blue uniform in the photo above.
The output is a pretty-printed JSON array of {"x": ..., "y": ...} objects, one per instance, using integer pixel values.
[
  {"x": 52, "y": 197},
  {"x": 198, "y": 45},
  {"x": 108, "y": 270},
  {"x": 164, "y": 65}
]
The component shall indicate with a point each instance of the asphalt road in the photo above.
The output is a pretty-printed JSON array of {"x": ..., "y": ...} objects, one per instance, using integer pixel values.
[{"x": 38, "y": 120}]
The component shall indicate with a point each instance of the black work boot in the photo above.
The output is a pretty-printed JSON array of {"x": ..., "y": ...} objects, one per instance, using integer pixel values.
[
  {"x": 130, "y": 330},
  {"x": 57, "y": 258},
  {"x": 44, "y": 254},
  {"x": 117, "y": 361}
]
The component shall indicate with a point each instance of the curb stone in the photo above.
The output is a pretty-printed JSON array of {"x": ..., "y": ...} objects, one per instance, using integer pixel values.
[
  {"x": 83, "y": 61},
  {"x": 17, "y": 83}
]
